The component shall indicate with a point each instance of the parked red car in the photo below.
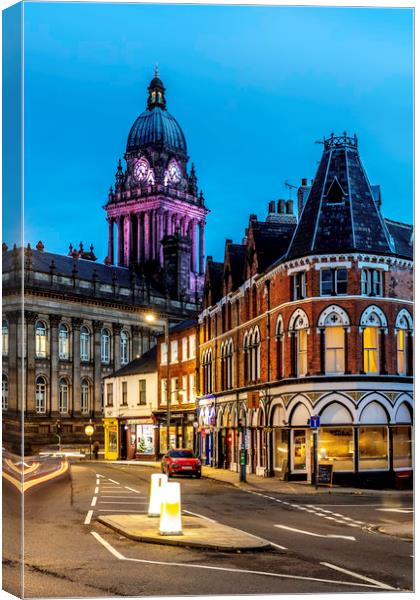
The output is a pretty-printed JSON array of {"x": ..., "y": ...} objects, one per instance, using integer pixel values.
[{"x": 181, "y": 461}]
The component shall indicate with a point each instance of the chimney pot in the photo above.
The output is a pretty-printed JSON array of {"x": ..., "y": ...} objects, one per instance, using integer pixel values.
[
  {"x": 272, "y": 206},
  {"x": 304, "y": 181}
]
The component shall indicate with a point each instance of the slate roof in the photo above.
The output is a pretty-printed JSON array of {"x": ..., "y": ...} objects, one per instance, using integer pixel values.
[
  {"x": 272, "y": 240},
  {"x": 146, "y": 363},
  {"x": 85, "y": 269},
  {"x": 402, "y": 236},
  {"x": 186, "y": 324},
  {"x": 340, "y": 214}
]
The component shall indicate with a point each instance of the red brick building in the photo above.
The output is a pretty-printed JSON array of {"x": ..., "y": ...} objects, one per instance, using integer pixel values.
[
  {"x": 312, "y": 318},
  {"x": 176, "y": 365}
]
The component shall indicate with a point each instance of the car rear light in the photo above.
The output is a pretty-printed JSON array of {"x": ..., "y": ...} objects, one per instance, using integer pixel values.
[{"x": 198, "y": 463}]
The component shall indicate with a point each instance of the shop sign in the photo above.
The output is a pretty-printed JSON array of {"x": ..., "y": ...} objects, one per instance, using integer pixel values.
[{"x": 139, "y": 421}]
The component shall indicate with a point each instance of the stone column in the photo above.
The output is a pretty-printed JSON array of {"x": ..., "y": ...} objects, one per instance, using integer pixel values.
[
  {"x": 201, "y": 247},
  {"x": 117, "y": 345},
  {"x": 30, "y": 319},
  {"x": 75, "y": 404},
  {"x": 156, "y": 234},
  {"x": 160, "y": 236},
  {"x": 54, "y": 322},
  {"x": 95, "y": 408},
  {"x": 139, "y": 239},
  {"x": 111, "y": 239},
  {"x": 193, "y": 225},
  {"x": 146, "y": 236},
  {"x": 120, "y": 241},
  {"x": 127, "y": 240},
  {"x": 12, "y": 360},
  {"x": 136, "y": 341}
]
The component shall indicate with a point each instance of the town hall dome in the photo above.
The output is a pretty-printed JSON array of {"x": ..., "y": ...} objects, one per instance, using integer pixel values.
[{"x": 156, "y": 125}]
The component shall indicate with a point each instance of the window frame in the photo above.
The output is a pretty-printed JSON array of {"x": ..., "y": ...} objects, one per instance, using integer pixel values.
[
  {"x": 41, "y": 340},
  {"x": 40, "y": 388},
  {"x": 63, "y": 393},
  {"x": 5, "y": 337},
  {"x": 142, "y": 401},
  {"x": 84, "y": 397},
  {"x": 4, "y": 392},
  {"x": 63, "y": 340},
  {"x": 105, "y": 346},
  {"x": 124, "y": 348},
  {"x": 84, "y": 343}
]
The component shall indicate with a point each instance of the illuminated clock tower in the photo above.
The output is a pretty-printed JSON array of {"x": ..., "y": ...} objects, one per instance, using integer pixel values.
[{"x": 155, "y": 198}]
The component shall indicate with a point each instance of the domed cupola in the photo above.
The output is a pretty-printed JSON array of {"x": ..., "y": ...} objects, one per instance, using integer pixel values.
[{"x": 156, "y": 126}]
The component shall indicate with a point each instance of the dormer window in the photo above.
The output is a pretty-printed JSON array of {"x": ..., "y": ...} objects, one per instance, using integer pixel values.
[
  {"x": 335, "y": 194},
  {"x": 333, "y": 282},
  {"x": 371, "y": 282}
]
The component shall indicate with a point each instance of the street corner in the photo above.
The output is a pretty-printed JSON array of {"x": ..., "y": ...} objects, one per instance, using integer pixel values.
[{"x": 196, "y": 533}]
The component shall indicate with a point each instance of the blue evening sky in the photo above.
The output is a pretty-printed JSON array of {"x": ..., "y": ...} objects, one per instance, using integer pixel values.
[{"x": 252, "y": 87}]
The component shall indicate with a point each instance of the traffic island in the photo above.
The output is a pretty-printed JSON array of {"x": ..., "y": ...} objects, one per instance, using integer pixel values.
[{"x": 197, "y": 533}]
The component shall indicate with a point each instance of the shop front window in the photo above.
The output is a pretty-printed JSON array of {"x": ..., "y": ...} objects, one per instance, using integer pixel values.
[
  {"x": 336, "y": 446},
  {"x": 402, "y": 448},
  {"x": 373, "y": 448},
  {"x": 281, "y": 449},
  {"x": 145, "y": 439},
  {"x": 299, "y": 450}
]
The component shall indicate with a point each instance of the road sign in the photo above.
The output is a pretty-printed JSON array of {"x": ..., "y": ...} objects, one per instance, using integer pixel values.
[{"x": 315, "y": 422}]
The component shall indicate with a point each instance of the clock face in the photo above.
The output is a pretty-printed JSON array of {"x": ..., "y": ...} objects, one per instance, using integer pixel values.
[
  {"x": 174, "y": 172},
  {"x": 141, "y": 169}
]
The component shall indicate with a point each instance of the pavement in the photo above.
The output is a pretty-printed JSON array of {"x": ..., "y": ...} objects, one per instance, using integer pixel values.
[
  {"x": 275, "y": 485},
  {"x": 196, "y": 533}
]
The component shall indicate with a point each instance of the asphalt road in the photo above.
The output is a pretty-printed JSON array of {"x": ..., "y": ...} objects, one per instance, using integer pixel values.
[{"x": 323, "y": 543}]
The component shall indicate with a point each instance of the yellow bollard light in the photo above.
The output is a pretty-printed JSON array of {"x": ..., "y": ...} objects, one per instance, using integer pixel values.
[
  {"x": 157, "y": 483},
  {"x": 170, "y": 510}
]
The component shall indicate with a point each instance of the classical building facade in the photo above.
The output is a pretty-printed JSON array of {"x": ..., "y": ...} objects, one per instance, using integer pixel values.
[
  {"x": 313, "y": 319},
  {"x": 82, "y": 320}
]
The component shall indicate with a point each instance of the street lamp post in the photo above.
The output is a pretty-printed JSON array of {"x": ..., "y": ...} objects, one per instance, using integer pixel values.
[
  {"x": 89, "y": 430},
  {"x": 150, "y": 318}
]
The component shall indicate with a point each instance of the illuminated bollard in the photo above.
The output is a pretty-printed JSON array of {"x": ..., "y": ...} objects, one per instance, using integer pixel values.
[
  {"x": 170, "y": 510},
  {"x": 157, "y": 483}
]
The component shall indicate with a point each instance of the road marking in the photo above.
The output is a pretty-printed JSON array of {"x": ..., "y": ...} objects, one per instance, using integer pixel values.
[
  {"x": 98, "y": 475},
  {"x": 96, "y": 490},
  {"x": 116, "y": 482},
  {"x": 232, "y": 570},
  {"x": 107, "y": 546},
  {"x": 88, "y": 517},
  {"x": 94, "y": 499},
  {"x": 188, "y": 512},
  {"x": 329, "y": 535},
  {"x": 109, "y": 496},
  {"x": 131, "y": 489},
  {"x": 383, "y": 586},
  {"x": 114, "y": 510},
  {"x": 397, "y": 510},
  {"x": 112, "y": 502}
]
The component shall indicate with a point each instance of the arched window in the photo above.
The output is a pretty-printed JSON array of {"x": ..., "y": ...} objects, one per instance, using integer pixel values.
[
  {"x": 84, "y": 344},
  {"x": 63, "y": 396},
  {"x": 229, "y": 365},
  {"x": 247, "y": 358},
  {"x": 124, "y": 347},
  {"x": 105, "y": 346},
  {"x": 299, "y": 327},
  {"x": 207, "y": 367},
  {"x": 4, "y": 392},
  {"x": 40, "y": 395},
  {"x": 255, "y": 355},
  {"x": 332, "y": 323},
  {"x": 403, "y": 330},
  {"x": 279, "y": 347},
  {"x": 84, "y": 396},
  {"x": 40, "y": 339},
  {"x": 5, "y": 337},
  {"x": 373, "y": 323},
  {"x": 63, "y": 342}
]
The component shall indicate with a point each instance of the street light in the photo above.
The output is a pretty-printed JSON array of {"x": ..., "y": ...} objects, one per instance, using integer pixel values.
[
  {"x": 151, "y": 318},
  {"x": 89, "y": 430}
]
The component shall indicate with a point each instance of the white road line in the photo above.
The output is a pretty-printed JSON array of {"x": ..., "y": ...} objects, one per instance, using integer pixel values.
[
  {"x": 96, "y": 490},
  {"x": 98, "y": 475},
  {"x": 126, "y": 503},
  {"x": 227, "y": 569},
  {"x": 397, "y": 510},
  {"x": 383, "y": 586},
  {"x": 109, "y": 496},
  {"x": 329, "y": 535},
  {"x": 88, "y": 517},
  {"x": 188, "y": 512},
  {"x": 98, "y": 481},
  {"x": 94, "y": 499},
  {"x": 114, "y": 510},
  {"x": 107, "y": 546},
  {"x": 131, "y": 489},
  {"x": 112, "y": 480}
]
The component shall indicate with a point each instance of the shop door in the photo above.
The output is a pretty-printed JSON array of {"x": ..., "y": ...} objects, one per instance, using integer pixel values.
[
  {"x": 300, "y": 451},
  {"x": 228, "y": 453},
  {"x": 123, "y": 438}
]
